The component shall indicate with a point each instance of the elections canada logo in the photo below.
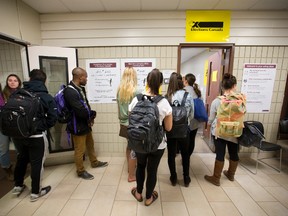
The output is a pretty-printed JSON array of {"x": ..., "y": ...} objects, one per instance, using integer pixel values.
[{"x": 207, "y": 26}]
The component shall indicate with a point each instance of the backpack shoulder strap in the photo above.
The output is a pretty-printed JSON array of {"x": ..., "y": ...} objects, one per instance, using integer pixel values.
[
  {"x": 139, "y": 96},
  {"x": 157, "y": 98},
  {"x": 184, "y": 99}
]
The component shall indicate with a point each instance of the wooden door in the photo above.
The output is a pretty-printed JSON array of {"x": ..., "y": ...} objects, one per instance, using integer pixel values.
[{"x": 213, "y": 89}]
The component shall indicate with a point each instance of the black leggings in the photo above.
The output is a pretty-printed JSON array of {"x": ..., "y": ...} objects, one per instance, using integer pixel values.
[
  {"x": 220, "y": 146},
  {"x": 183, "y": 145},
  {"x": 152, "y": 161},
  {"x": 192, "y": 135}
]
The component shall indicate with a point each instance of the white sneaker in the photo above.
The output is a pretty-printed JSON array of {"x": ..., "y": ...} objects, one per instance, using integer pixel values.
[
  {"x": 18, "y": 190},
  {"x": 44, "y": 191}
]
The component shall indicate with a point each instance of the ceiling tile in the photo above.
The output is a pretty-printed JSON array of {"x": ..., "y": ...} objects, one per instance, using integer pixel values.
[
  {"x": 235, "y": 4},
  {"x": 197, "y": 4},
  {"x": 84, "y": 6},
  {"x": 150, "y": 5},
  {"x": 270, "y": 5},
  {"x": 44, "y": 6},
  {"x": 121, "y": 5}
]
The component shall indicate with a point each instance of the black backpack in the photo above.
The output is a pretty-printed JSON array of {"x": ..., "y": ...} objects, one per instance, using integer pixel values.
[
  {"x": 21, "y": 115},
  {"x": 180, "y": 119},
  {"x": 144, "y": 130},
  {"x": 251, "y": 134}
]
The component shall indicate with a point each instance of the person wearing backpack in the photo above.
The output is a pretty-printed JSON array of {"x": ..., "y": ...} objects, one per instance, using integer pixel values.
[
  {"x": 150, "y": 161},
  {"x": 13, "y": 82},
  {"x": 175, "y": 93},
  {"x": 80, "y": 127},
  {"x": 32, "y": 149},
  {"x": 229, "y": 83},
  {"x": 189, "y": 81},
  {"x": 125, "y": 93}
]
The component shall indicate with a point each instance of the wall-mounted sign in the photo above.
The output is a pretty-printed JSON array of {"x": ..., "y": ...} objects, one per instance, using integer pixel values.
[
  {"x": 142, "y": 67},
  {"x": 257, "y": 85},
  {"x": 207, "y": 26},
  {"x": 104, "y": 77},
  {"x": 103, "y": 80}
]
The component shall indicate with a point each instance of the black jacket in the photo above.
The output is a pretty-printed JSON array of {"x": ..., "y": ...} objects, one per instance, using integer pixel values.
[
  {"x": 83, "y": 115},
  {"x": 48, "y": 103}
]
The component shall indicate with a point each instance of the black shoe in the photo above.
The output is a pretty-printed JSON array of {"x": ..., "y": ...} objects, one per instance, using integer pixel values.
[
  {"x": 100, "y": 164},
  {"x": 187, "y": 181},
  {"x": 43, "y": 192},
  {"x": 85, "y": 175},
  {"x": 173, "y": 179}
]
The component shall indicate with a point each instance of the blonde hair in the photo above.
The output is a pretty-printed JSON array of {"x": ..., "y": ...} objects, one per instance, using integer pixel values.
[{"x": 128, "y": 85}]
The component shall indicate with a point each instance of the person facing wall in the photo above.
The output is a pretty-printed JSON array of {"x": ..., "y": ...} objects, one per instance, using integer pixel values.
[{"x": 127, "y": 90}]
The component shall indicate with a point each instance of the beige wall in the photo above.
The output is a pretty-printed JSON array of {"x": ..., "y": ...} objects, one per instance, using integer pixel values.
[
  {"x": 19, "y": 21},
  {"x": 155, "y": 28}
]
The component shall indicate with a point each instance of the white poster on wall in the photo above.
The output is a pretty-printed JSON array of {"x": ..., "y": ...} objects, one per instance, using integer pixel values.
[
  {"x": 103, "y": 80},
  {"x": 257, "y": 85},
  {"x": 142, "y": 67}
]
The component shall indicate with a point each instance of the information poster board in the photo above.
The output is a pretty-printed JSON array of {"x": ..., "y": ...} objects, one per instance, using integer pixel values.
[
  {"x": 103, "y": 80},
  {"x": 257, "y": 85},
  {"x": 142, "y": 67}
]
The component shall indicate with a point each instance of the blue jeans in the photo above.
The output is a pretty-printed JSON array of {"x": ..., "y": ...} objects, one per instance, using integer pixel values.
[{"x": 4, "y": 151}]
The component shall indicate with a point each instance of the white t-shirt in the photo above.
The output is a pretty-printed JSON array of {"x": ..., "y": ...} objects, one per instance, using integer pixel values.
[{"x": 164, "y": 110}]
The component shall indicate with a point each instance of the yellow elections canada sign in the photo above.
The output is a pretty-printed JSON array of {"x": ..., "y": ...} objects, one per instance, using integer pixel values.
[{"x": 207, "y": 26}]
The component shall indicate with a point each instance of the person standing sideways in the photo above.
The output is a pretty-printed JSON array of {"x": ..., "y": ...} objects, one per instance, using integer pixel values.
[
  {"x": 126, "y": 92},
  {"x": 151, "y": 160},
  {"x": 192, "y": 87},
  {"x": 32, "y": 149},
  {"x": 221, "y": 141},
  {"x": 82, "y": 121},
  {"x": 13, "y": 82}
]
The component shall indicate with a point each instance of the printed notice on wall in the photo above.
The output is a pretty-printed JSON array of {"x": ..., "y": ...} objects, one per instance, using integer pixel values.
[
  {"x": 103, "y": 80},
  {"x": 257, "y": 85},
  {"x": 142, "y": 67}
]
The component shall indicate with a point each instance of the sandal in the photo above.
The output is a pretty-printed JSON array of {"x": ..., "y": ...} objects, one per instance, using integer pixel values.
[
  {"x": 133, "y": 192},
  {"x": 154, "y": 197}
]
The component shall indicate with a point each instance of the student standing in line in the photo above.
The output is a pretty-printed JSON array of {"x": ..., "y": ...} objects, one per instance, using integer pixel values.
[
  {"x": 32, "y": 149},
  {"x": 189, "y": 81},
  {"x": 81, "y": 128},
  {"x": 150, "y": 162},
  {"x": 127, "y": 90},
  {"x": 176, "y": 92},
  {"x": 229, "y": 83},
  {"x": 13, "y": 82}
]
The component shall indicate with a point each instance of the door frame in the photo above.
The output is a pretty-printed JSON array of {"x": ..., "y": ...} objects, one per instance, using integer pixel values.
[
  {"x": 224, "y": 46},
  {"x": 227, "y": 66}
]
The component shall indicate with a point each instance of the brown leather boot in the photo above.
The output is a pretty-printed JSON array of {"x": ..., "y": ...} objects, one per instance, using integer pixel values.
[
  {"x": 215, "y": 178},
  {"x": 230, "y": 173},
  {"x": 10, "y": 173}
]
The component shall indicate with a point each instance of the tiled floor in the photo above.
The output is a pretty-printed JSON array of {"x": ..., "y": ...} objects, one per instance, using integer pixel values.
[{"x": 109, "y": 193}]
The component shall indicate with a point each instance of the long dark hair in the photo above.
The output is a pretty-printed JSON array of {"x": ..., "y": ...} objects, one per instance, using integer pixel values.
[
  {"x": 154, "y": 81},
  {"x": 175, "y": 84},
  {"x": 191, "y": 80}
]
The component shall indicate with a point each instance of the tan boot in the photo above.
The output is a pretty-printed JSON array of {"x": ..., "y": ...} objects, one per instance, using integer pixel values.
[
  {"x": 10, "y": 173},
  {"x": 215, "y": 178},
  {"x": 230, "y": 173}
]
